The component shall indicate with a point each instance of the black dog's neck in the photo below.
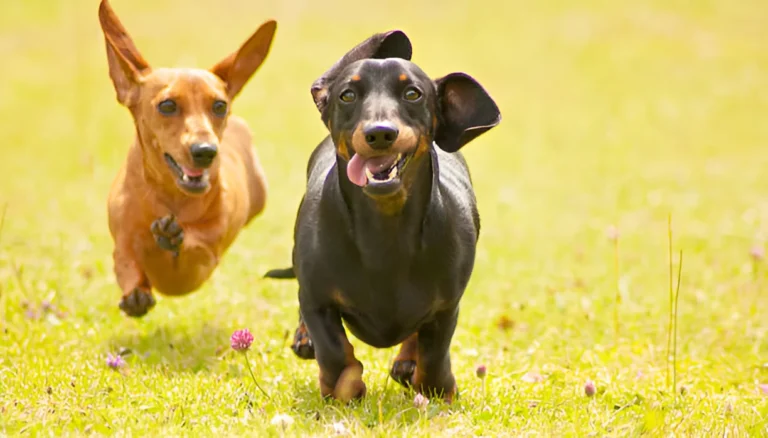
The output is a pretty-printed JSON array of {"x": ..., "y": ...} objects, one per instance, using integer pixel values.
[{"x": 386, "y": 238}]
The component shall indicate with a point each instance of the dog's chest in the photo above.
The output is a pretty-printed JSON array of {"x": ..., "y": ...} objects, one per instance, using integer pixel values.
[{"x": 383, "y": 314}]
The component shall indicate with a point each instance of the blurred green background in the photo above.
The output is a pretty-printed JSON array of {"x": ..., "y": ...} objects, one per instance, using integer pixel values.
[{"x": 615, "y": 114}]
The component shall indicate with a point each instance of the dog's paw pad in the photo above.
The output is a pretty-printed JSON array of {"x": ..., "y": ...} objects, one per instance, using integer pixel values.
[
  {"x": 402, "y": 371},
  {"x": 168, "y": 233},
  {"x": 137, "y": 303},
  {"x": 302, "y": 344}
]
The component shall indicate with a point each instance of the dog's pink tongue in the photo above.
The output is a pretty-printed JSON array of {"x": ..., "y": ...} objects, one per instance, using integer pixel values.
[
  {"x": 357, "y": 165},
  {"x": 356, "y": 170},
  {"x": 192, "y": 172}
]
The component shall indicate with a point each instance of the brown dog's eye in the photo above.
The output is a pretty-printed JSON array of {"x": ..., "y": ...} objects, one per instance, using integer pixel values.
[
  {"x": 167, "y": 107},
  {"x": 412, "y": 94},
  {"x": 219, "y": 108},
  {"x": 348, "y": 96}
]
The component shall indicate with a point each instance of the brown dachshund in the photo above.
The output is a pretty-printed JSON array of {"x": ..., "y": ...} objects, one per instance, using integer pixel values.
[{"x": 192, "y": 179}]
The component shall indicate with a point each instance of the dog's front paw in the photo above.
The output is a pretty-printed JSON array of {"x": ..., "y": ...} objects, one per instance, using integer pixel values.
[
  {"x": 302, "y": 344},
  {"x": 168, "y": 234},
  {"x": 402, "y": 372},
  {"x": 348, "y": 387},
  {"x": 137, "y": 302}
]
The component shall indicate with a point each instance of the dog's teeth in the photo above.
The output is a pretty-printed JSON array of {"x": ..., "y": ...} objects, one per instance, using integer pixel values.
[
  {"x": 184, "y": 177},
  {"x": 392, "y": 174},
  {"x": 368, "y": 173}
]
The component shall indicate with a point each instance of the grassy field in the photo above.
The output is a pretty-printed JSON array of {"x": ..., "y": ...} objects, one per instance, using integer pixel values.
[{"x": 616, "y": 116}]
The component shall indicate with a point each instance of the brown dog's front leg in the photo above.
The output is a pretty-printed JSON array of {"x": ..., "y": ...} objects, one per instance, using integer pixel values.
[
  {"x": 137, "y": 297},
  {"x": 168, "y": 233},
  {"x": 341, "y": 374}
]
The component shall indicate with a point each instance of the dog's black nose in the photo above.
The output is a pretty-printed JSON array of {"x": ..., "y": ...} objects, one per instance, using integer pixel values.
[
  {"x": 203, "y": 153},
  {"x": 380, "y": 135}
]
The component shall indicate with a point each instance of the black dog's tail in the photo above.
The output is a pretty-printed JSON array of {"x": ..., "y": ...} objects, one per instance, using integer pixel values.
[{"x": 283, "y": 274}]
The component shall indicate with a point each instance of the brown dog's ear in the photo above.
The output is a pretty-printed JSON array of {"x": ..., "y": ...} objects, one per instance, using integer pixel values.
[
  {"x": 465, "y": 110},
  {"x": 392, "y": 44},
  {"x": 237, "y": 68},
  {"x": 126, "y": 65}
]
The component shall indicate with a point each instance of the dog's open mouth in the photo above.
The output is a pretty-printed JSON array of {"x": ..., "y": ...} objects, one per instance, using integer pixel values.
[
  {"x": 376, "y": 171},
  {"x": 190, "y": 180}
]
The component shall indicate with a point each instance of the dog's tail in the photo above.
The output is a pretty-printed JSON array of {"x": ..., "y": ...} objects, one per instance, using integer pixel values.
[{"x": 283, "y": 274}]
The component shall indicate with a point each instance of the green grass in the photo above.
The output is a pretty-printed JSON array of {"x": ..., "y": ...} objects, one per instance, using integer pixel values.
[{"x": 615, "y": 114}]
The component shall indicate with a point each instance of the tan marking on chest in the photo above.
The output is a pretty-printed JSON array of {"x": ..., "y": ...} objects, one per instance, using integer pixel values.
[{"x": 338, "y": 297}]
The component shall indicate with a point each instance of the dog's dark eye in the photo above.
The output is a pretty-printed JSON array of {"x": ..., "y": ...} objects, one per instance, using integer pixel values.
[
  {"x": 412, "y": 94},
  {"x": 219, "y": 108},
  {"x": 167, "y": 107},
  {"x": 348, "y": 96}
]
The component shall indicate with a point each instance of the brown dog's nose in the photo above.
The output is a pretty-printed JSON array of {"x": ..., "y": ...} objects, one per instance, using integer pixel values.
[
  {"x": 380, "y": 135},
  {"x": 203, "y": 153}
]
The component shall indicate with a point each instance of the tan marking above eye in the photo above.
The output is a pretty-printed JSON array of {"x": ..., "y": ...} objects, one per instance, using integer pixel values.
[
  {"x": 403, "y": 77},
  {"x": 355, "y": 77}
]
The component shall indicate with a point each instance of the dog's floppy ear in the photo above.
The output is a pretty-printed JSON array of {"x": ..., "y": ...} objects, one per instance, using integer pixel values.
[
  {"x": 392, "y": 44},
  {"x": 126, "y": 65},
  {"x": 465, "y": 110},
  {"x": 237, "y": 68}
]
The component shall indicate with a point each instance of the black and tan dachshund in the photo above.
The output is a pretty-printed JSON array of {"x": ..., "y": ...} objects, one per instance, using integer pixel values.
[{"x": 386, "y": 232}]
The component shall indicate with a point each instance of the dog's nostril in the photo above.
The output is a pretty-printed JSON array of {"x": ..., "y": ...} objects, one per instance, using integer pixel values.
[
  {"x": 380, "y": 135},
  {"x": 203, "y": 153}
]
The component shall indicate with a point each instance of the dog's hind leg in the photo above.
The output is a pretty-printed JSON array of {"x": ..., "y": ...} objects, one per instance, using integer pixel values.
[
  {"x": 405, "y": 363},
  {"x": 302, "y": 344}
]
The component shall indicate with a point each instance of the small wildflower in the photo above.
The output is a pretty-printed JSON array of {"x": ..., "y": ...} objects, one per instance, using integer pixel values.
[
  {"x": 46, "y": 306},
  {"x": 241, "y": 340},
  {"x": 757, "y": 252},
  {"x": 481, "y": 371},
  {"x": 612, "y": 233},
  {"x": 763, "y": 388},
  {"x": 339, "y": 428},
  {"x": 589, "y": 388},
  {"x": 115, "y": 361},
  {"x": 532, "y": 377},
  {"x": 420, "y": 402},
  {"x": 283, "y": 420}
]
